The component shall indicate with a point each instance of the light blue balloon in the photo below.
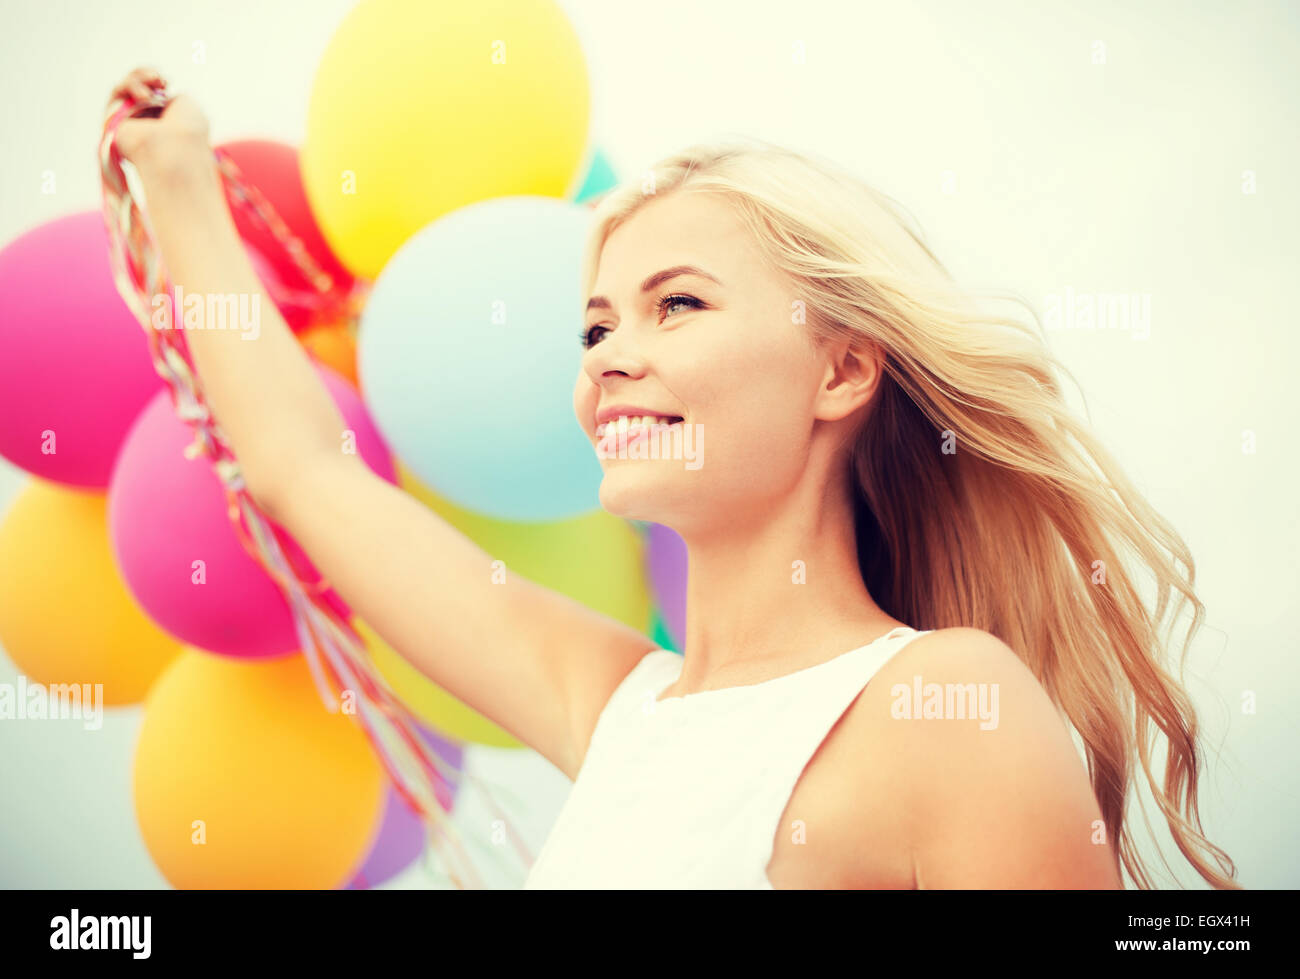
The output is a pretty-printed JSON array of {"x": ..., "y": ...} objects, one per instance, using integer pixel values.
[{"x": 468, "y": 351}]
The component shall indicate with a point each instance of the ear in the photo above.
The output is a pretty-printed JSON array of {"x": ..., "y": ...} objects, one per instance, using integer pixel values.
[{"x": 853, "y": 373}]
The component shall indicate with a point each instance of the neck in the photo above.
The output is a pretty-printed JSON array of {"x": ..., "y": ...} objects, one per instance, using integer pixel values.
[{"x": 777, "y": 592}]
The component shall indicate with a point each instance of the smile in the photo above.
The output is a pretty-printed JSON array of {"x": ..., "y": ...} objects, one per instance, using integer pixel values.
[{"x": 629, "y": 423}]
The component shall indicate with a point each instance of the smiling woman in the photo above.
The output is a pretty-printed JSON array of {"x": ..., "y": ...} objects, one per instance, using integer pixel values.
[
  {"x": 909, "y": 456},
  {"x": 891, "y": 471}
]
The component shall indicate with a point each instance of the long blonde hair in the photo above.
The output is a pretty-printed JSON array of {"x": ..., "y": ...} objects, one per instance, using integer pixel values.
[{"x": 1028, "y": 530}]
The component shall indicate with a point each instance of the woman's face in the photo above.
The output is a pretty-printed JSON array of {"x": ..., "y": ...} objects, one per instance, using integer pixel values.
[{"x": 731, "y": 358}]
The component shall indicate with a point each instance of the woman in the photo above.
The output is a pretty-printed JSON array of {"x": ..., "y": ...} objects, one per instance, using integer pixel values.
[{"x": 906, "y": 590}]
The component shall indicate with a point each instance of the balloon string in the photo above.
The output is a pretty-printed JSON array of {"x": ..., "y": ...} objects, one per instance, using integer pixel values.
[
  {"x": 335, "y": 654},
  {"x": 326, "y": 299}
]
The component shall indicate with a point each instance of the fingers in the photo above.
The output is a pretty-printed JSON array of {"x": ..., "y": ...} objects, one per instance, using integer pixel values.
[{"x": 138, "y": 85}]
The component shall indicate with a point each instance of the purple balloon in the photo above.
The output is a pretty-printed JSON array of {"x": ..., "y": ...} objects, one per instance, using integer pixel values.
[
  {"x": 401, "y": 835},
  {"x": 666, "y": 556}
]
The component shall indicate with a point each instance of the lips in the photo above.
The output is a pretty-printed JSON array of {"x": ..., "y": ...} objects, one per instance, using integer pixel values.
[{"x": 611, "y": 412}]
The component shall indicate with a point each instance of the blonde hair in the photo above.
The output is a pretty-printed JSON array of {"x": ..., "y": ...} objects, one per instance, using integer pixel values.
[{"x": 1029, "y": 491}]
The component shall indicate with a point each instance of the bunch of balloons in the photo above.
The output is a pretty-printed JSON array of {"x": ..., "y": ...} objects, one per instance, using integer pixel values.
[{"x": 446, "y": 177}]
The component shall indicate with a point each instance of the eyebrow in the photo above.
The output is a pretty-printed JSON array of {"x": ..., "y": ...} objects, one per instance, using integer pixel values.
[{"x": 652, "y": 281}]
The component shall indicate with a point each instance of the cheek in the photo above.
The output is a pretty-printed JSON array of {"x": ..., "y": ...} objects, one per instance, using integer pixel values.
[{"x": 764, "y": 428}]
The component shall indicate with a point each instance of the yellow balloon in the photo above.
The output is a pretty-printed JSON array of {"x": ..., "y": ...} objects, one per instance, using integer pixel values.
[
  {"x": 420, "y": 107},
  {"x": 65, "y": 613},
  {"x": 244, "y": 780},
  {"x": 596, "y": 559}
]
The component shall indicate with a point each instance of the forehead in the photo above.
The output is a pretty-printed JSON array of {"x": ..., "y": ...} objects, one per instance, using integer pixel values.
[{"x": 677, "y": 229}]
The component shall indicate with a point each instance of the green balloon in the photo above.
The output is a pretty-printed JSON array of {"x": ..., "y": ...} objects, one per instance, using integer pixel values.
[
  {"x": 658, "y": 631},
  {"x": 600, "y": 178}
]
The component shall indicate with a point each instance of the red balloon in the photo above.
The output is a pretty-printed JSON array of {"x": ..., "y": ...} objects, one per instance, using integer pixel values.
[{"x": 272, "y": 168}]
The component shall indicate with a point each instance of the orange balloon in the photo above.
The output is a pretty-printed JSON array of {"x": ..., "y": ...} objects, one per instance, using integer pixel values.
[
  {"x": 335, "y": 346},
  {"x": 244, "y": 780},
  {"x": 66, "y": 616}
]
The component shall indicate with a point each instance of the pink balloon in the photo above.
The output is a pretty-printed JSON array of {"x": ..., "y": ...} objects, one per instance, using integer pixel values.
[
  {"x": 74, "y": 361},
  {"x": 167, "y": 512}
]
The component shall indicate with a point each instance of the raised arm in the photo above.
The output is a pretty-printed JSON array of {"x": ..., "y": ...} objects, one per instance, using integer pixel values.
[
  {"x": 263, "y": 391},
  {"x": 535, "y": 662}
]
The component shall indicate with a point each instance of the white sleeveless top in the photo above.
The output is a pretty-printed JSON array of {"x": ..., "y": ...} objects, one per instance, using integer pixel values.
[{"x": 687, "y": 792}]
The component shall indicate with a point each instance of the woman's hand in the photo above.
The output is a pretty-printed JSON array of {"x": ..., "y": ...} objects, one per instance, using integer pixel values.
[{"x": 172, "y": 139}]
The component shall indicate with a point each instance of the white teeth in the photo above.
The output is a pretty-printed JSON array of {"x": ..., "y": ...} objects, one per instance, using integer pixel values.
[{"x": 625, "y": 422}]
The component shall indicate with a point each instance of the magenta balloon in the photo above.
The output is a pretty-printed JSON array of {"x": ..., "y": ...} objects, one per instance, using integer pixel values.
[
  {"x": 74, "y": 361},
  {"x": 666, "y": 557},
  {"x": 167, "y": 512},
  {"x": 401, "y": 836}
]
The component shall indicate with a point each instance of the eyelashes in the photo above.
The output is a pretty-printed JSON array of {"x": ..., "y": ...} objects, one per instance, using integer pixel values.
[
  {"x": 661, "y": 304},
  {"x": 585, "y": 339}
]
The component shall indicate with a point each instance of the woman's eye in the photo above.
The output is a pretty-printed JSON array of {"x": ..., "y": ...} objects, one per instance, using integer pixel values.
[
  {"x": 676, "y": 300},
  {"x": 589, "y": 337}
]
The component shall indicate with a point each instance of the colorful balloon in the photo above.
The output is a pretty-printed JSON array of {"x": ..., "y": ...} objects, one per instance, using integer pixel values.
[
  {"x": 399, "y": 841},
  {"x": 335, "y": 346},
  {"x": 243, "y": 780},
  {"x": 597, "y": 558},
  {"x": 419, "y": 108},
  {"x": 658, "y": 631},
  {"x": 179, "y": 552},
  {"x": 600, "y": 179},
  {"x": 666, "y": 560},
  {"x": 402, "y": 834},
  {"x": 54, "y": 559},
  {"x": 273, "y": 168},
  {"x": 609, "y": 578},
  {"x": 468, "y": 352},
  {"x": 428, "y": 701},
  {"x": 75, "y": 369}
]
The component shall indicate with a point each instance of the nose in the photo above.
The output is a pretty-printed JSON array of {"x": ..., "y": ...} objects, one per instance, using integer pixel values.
[{"x": 618, "y": 354}]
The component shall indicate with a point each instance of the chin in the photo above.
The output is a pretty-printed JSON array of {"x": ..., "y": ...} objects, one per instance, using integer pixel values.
[{"x": 634, "y": 490}]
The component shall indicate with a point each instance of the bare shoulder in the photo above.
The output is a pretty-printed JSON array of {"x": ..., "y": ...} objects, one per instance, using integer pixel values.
[
  {"x": 996, "y": 792},
  {"x": 964, "y": 675},
  {"x": 960, "y": 647}
]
